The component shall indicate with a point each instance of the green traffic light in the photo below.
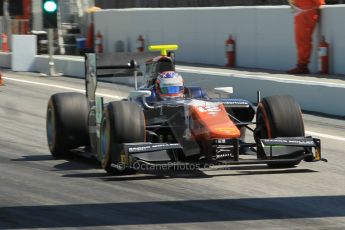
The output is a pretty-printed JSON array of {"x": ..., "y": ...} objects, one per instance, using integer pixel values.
[{"x": 50, "y": 6}]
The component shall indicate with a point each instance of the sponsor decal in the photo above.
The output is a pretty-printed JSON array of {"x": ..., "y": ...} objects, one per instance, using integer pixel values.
[
  {"x": 209, "y": 108},
  {"x": 223, "y": 155},
  {"x": 226, "y": 129},
  {"x": 235, "y": 103},
  {"x": 153, "y": 147},
  {"x": 289, "y": 142}
]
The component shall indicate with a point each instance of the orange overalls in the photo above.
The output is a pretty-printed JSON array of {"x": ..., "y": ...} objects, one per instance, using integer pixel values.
[{"x": 306, "y": 17}]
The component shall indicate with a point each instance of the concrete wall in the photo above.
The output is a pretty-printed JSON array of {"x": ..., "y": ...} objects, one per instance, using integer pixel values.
[
  {"x": 264, "y": 35},
  {"x": 311, "y": 95},
  {"x": 69, "y": 66},
  {"x": 335, "y": 33},
  {"x": 318, "y": 96},
  {"x": 5, "y": 60},
  {"x": 23, "y": 52},
  {"x": 106, "y": 4}
]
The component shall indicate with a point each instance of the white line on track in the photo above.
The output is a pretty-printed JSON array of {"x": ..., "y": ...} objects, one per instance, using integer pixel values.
[
  {"x": 118, "y": 97},
  {"x": 259, "y": 77},
  {"x": 325, "y": 136},
  {"x": 60, "y": 87}
]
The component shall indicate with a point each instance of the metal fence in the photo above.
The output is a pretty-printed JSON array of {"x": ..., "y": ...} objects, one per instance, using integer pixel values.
[{"x": 20, "y": 26}]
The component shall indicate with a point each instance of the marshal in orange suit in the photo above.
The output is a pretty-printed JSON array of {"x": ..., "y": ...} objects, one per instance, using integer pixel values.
[{"x": 306, "y": 17}]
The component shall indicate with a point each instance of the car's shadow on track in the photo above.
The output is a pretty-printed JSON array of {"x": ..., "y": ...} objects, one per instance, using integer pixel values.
[
  {"x": 35, "y": 158},
  {"x": 192, "y": 174},
  {"x": 199, "y": 174},
  {"x": 78, "y": 163},
  {"x": 81, "y": 164}
]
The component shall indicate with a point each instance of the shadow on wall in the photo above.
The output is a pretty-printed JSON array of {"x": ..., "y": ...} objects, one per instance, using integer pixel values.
[{"x": 120, "y": 46}]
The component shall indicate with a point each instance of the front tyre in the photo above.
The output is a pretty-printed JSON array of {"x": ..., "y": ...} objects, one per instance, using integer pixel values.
[
  {"x": 122, "y": 122},
  {"x": 279, "y": 116}
]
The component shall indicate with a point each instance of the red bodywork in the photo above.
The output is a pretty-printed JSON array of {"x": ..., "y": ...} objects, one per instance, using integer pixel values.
[{"x": 211, "y": 121}]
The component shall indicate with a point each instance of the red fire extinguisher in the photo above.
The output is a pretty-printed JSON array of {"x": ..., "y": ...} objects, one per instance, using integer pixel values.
[
  {"x": 230, "y": 52},
  {"x": 99, "y": 43},
  {"x": 140, "y": 44},
  {"x": 4, "y": 44},
  {"x": 323, "y": 56}
]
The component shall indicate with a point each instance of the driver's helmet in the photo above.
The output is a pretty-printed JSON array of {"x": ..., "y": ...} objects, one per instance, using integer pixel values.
[{"x": 169, "y": 85}]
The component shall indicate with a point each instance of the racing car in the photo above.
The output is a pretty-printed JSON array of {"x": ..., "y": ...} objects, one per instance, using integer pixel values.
[{"x": 194, "y": 129}]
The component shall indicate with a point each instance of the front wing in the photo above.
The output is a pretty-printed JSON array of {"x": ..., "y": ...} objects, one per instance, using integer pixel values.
[{"x": 165, "y": 153}]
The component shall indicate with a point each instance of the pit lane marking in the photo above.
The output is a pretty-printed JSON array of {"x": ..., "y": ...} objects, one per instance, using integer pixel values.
[
  {"x": 259, "y": 77},
  {"x": 60, "y": 87},
  {"x": 325, "y": 136},
  {"x": 118, "y": 97}
]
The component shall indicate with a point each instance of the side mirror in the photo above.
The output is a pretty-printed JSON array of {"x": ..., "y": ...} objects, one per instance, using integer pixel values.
[
  {"x": 139, "y": 94},
  {"x": 133, "y": 64}
]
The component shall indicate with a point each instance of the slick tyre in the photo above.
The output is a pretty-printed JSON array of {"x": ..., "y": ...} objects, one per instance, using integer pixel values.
[
  {"x": 122, "y": 122},
  {"x": 279, "y": 116},
  {"x": 66, "y": 123}
]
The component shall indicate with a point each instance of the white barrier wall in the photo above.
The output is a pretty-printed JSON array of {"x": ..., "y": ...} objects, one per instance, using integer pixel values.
[
  {"x": 312, "y": 96},
  {"x": 264, "y": 35},
  {"x": 23, "y": 52},
  {"x": 69, "y": 66},
  {"x": 318, "y": 96},
  {"x": 5, "y": 60}
]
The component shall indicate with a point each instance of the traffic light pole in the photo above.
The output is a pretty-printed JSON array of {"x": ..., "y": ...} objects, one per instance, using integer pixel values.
[
  {"x": 51, "y": 52},
  {"x": 50, "y": 9},
  {"x": 51, "y": 64}
]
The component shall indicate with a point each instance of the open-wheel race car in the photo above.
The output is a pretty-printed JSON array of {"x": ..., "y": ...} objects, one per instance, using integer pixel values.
[{"x": 165, "y": 123}]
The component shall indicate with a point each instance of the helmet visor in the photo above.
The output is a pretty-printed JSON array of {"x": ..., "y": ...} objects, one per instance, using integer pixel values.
[{"x": 171, "y": 89}]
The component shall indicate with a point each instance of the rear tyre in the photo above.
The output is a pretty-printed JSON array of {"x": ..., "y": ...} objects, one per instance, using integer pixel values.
[
  {"x": 122, "y": 122},
  {"x": 66, "y": 123},
  {"x": 279, "y": 116}
]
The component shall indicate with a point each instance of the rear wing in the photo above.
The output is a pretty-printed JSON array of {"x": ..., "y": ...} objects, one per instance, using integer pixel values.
[
  {"x": 115, "y": 64},
  {"x": 121, "y": 64},
  {"x": 110, "y": 65}
]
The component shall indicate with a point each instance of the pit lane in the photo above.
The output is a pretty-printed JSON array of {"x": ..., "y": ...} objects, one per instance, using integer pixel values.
[{"x": 38, "y": 191}]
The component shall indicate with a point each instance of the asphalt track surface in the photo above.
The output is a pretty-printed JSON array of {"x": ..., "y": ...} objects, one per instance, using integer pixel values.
[{"x": 38, "y": 191}]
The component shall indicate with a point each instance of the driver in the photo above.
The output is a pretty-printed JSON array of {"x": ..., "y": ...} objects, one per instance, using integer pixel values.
[{"x": 169, "y": 85}]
